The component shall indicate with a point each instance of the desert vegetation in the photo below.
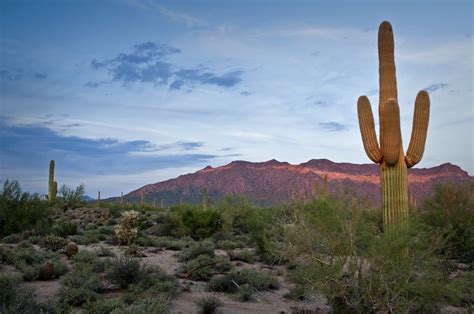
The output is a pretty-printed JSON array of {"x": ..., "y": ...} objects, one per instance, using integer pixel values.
[{"x": 325, "y": 254}]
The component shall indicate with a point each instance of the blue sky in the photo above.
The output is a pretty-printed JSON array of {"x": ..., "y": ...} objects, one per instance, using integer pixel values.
[{"x": 130, "y": 92}]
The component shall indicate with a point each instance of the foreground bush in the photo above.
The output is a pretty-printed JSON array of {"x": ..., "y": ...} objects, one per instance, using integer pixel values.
[
  {"x": 450, "y": 211},
  {"x": 359, "y": 269},
  {"x": 20, "y": 211}
]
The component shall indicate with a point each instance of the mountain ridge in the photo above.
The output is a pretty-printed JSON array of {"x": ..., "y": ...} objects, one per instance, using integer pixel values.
[{"x": 274, "y": 181}]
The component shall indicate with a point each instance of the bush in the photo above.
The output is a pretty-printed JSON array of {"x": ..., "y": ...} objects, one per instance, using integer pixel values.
[
  {"x": 53, "y": 243},
  {"x": 81, "y": 285},
  {"x": 144, "y": 307},
  {"x": 450, "y": 211},
  {"x": 361, "y": 270},
  {"x": 209, "y": 304},
  {"x": 64, "y": 228},
  {"x": 14, "y": 299},
  {"x": 231, "y": 282},
  {"x": 192, "y": 221},
  {"x": 20, "y": 211},
  {"x": 103, "y": 306},
  {"x": 70, "y": 199},
  {"x": 125, "y": 271},
  {"x": 196, "y": 249}
]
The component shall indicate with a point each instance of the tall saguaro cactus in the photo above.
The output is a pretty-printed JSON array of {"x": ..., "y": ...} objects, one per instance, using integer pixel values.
[
  {"x": 390, "y": 155},
  {"x": 52, "y": 185}
]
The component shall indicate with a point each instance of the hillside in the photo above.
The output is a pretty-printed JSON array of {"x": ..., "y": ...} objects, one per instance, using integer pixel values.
[{"x": 276, "y": 182}]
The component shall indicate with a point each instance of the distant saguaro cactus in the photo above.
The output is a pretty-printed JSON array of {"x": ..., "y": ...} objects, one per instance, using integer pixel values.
[
  {"x": 205, "y": 201},
  {"x": 52, "y": 185},
  {"x": 393, "y": 161}
]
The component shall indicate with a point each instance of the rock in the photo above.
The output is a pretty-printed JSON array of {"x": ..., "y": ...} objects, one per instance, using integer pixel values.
[
  {"x": 71, "y": 249},
  {"x": 46, "y": 271}
]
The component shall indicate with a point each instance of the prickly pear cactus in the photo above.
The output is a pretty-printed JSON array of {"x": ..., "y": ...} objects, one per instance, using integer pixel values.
[{"x": 390, "y": 155}]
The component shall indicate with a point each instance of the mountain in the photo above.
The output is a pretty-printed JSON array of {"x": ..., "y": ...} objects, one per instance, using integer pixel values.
[{"x": 274, "y": 182}]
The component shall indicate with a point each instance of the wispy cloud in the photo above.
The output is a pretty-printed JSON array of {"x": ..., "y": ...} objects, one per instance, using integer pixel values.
[
  {"x": 148, "y": 63},
  {"x": 178, "y": 17},
  {"x": 333, "y": 126},
  {"x": 434, "y": 87}
]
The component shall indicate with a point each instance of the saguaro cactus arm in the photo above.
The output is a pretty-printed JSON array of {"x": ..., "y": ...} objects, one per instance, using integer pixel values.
[
  {"x": 367, "y": 130},
  {"x": 391, "y": 137},
  {"x": 419, "y": 129}
]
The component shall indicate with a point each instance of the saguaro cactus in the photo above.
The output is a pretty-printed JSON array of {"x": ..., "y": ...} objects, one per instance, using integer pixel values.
[
  {"x": 393, "y": 161},
  {"x": 52, "y": 185}
]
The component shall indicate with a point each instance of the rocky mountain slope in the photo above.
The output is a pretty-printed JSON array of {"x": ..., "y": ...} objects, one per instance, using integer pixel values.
[{"x": 275, "y": 182}]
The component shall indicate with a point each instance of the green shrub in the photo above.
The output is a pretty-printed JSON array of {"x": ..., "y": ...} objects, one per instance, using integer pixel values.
[
  {"x": 450, "y": 211},
  {"x": 209, "y": 304},
  {"x": 195, "y": 266},
  {"x": 70, "y": 199},
  {"x": 196, "y": 249},
  {"x": 60, "y": 268},
  {"x": 231, "y": 282},
  {"x": 103, "y": 306},
  {"x": 361, "y": 270},
  {"x": 14, "y": 299},
  {"x": 64, "y": 228},
  {"x": 125, "y": 271},
  {"x": 191, "y": 221},
  {"x": 12, "y": 238},
  {"x": 20, "y": 211},
  {"x": 81, "y": 285},
  {"x": 29, "y": 272},
  {"x": 53, "y": 243},
  {"x": 144, "y": 307}
]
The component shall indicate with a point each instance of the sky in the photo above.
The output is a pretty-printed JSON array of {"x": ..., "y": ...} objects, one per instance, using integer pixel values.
[{"x": 130, "y": 92}]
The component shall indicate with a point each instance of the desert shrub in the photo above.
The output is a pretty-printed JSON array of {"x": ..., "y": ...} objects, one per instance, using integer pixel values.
[
  {"x": 103, "y": 306},
  {"x": 64, "y": 228},
  {"x": 170, "y": 243},
  {"x": 12, "y": 238},
  {"x": 193, "y": 221},
  {"x": 60, "y": 268},
  {"x": 81, "y": 285},
  {"x": 86, "y": 257},
  {"x": 88, "y": 237},
  {"x": 450, "y": 211},
  {"x": 90, "y": 226},
  {"x": 144, "y": 307},
  {"x": 245, "y": 293},
  {"x": 29, "y": 272},
  {"x": 14, "y": 299},
  {"x": 196, "y": 269},
  {"x": 107, "y": 230},
  {"x": 153, "y": 283},
  {"x": 230, "y": 282},
  {"x": 360, "y": 269},
  {"x": 196, "y": 249},
  {"x": 209, "y": 304},
  {"x": 235, "y": 212},
  {"x": 53, "y": 243},
  {"x": 245, "y": 256},
  {"x": 125, "y": 271},
  {"x": 69, "y": 198},
  {"x": 20, "y": 211}
]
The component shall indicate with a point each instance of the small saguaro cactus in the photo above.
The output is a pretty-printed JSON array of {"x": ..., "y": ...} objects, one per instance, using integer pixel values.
[
  {"x": 52, "y": 185},
  {"x": 390, "y": 155},
  {"x": 205, "y": 201}
]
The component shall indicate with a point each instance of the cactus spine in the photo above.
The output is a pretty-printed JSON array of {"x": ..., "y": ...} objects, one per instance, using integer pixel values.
[
  {"x": 52, "y": 185},
  {"x": 393, "y": 161}
]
